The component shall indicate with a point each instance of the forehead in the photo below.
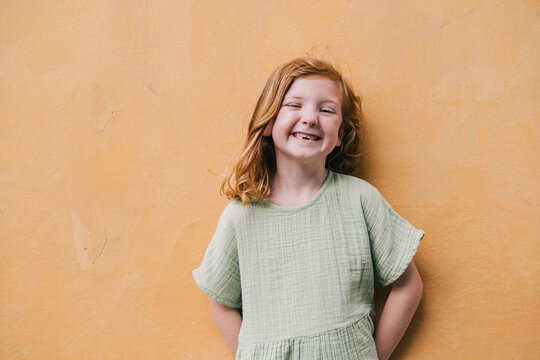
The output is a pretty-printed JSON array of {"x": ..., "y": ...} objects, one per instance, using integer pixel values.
[{"x": 316, "y": 85}]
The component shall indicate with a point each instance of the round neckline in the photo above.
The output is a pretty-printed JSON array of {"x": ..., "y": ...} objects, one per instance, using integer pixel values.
[{"x": 308, "y": 203}]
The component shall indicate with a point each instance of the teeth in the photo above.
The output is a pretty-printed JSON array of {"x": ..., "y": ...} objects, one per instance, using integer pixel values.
[{"x": 304, "y": 136}]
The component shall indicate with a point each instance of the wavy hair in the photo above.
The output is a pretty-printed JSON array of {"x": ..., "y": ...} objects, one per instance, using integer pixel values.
[{"x": 248, "y": 180}]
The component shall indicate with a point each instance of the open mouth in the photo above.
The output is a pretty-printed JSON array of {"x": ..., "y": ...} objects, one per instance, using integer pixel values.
[{"x": 299, "y": 135}]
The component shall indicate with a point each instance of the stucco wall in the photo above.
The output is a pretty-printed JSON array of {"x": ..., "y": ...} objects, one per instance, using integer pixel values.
[{"x": 117, "y": 116}]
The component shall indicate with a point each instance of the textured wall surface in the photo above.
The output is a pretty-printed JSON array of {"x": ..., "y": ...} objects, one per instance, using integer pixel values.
[{"x": 117, "y": 117}]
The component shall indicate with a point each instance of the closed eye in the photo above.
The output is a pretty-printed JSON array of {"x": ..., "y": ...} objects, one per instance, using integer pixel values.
[
  {"x": 293, "y": 105},
  {"x": 328, "y": 111}
]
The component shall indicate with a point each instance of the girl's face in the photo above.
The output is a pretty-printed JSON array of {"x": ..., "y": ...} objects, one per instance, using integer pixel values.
[{"x": 306, "y": 128}]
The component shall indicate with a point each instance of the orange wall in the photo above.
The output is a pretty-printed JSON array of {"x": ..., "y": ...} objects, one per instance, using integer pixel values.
[{"x": 116, "y": 117}]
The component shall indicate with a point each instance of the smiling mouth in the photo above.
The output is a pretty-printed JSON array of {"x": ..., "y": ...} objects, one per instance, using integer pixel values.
[{"x": 305, "y": 136}]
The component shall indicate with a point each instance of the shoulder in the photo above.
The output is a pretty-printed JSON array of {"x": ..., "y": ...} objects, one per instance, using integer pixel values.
[
  {"x": 359, "y": 191},
  {"x": 236, "y": 212},
  {"x": 354, "y": 193},
  {"x": 354, "y": 185},
  {"x": 233, "y": 208},
  {"x": 231, "y": 212}
]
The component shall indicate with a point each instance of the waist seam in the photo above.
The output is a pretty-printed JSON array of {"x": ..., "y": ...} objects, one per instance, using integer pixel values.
[{"x": 303, "y": 337}]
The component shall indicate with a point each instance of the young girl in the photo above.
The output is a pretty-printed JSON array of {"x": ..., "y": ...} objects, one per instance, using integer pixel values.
[{"x": 290, "y": 270}]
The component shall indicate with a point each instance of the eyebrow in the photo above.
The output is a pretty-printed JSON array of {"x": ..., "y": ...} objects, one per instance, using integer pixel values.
[{"x": 302, "y": 98}]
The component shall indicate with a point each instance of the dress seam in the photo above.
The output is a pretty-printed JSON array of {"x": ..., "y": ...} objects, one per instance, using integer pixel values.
[{"x": 295, "y": 338}]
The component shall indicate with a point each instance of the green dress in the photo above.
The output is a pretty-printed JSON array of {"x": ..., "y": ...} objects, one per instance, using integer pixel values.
[{"x": 304, "y": 275}]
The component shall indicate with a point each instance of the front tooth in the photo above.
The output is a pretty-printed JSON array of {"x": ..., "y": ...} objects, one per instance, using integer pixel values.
[{"x": 303, "y": 136}]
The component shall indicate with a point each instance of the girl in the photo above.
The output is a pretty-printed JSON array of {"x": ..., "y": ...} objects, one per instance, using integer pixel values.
[{"x": 291, "y": 266}]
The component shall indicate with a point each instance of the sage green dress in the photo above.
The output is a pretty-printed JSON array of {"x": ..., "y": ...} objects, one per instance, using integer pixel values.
[{"x": 304, "y": 275}]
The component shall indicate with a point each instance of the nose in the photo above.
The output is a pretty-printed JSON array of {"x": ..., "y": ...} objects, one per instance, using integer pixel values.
[{"x": 310, "y": 117}]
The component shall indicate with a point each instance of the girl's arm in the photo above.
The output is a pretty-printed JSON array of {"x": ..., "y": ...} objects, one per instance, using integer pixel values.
[
  {"x": 398, "y": 311},
  {"x": 228, "y": 321}
]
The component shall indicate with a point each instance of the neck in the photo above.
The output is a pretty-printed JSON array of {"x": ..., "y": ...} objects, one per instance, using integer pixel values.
[{"x": 296, "y": 183}]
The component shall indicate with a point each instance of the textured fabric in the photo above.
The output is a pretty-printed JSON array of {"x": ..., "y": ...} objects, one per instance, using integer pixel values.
[{"x": 304, "y": 275}]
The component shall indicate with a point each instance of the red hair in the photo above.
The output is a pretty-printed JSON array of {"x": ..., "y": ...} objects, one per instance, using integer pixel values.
[{"x": 249, "y": 178}]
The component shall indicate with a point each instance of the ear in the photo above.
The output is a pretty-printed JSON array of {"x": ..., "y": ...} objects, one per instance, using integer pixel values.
[
  {"x": 340, "y": 137},
  {"x": 267, "y": 130}
]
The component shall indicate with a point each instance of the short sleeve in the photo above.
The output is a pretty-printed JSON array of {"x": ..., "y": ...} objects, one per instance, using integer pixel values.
[
  {"x": 393, "y": 240},
  {"x": 219, "y": 273}
]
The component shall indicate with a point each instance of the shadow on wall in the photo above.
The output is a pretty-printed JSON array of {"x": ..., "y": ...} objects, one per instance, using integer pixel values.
[{"x": 364, "y": 171}]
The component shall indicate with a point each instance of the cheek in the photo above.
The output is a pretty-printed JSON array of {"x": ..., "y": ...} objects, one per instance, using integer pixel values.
[
  {"x": 282, "y": 126},
  {"x": 336, "y": 128}
]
